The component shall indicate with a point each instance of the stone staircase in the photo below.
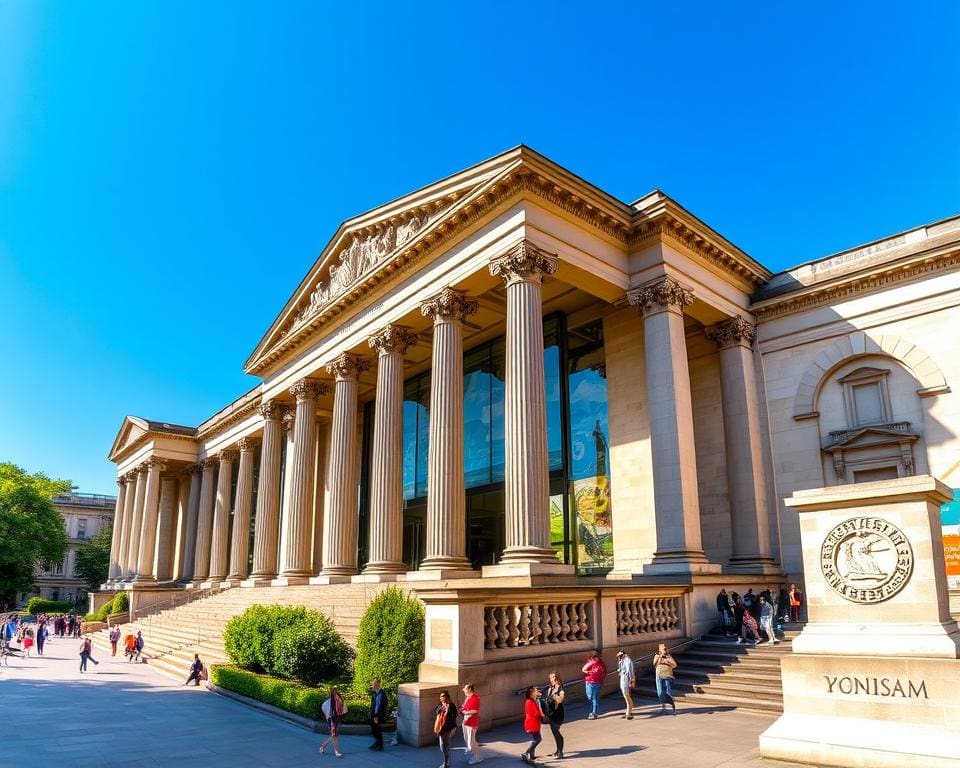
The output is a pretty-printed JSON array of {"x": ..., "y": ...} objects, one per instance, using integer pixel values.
[
  {"x": 717, "y": 672},
  {"x": 173, "y": 636}
]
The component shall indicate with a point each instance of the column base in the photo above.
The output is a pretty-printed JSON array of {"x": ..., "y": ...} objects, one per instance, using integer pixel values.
[
  {"x": 332, "y": 578},
  {"x": 681, "y": 564},
  {"x": 528, "y": 569},
  {"x": 289, "y": 581},
  {"x": 754, "y": 565},
  {"x": 375, "y": 578},
  {"x": 439, "y": 574},
  {"x": 258, "y": 581},
  {"x": 147, "y": 581},
  {"x": 233, "y": 581}
]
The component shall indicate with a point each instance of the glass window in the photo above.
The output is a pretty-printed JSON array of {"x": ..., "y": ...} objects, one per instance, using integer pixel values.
[
  {"x": 416, "y": 434},
  {"x": 82, "y": 528},
  {"x": 868, "y": 403}
]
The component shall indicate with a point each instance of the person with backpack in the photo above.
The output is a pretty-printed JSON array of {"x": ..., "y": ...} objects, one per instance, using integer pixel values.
[
  {"x": 333, "y": 711},
  {"x": 196, "y": 671},
  {"x": 445, "y": 725}
]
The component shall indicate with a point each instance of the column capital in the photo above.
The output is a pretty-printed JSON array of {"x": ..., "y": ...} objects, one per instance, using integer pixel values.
[
  {"x": 130, "y": 477},
  {"x": 392, "y": 338},
  {"x": 248, "y": 444},
  {"x": 308, "y": 389},
  {"x": 160, "y": 464},
  {"x": 271, "y": 410},
  {"x": 210, "y": 462},
  {"x": 194, "y": 469},
  {"x": 228, "y": 454},
  {"x": 524, "y": 261},
  {"x": 347, "y": 366},
  {"x": 449, "y": 306},
  {"x": 665, "y": 294},
  {"x": 288, "y": 418},
  {"x": 729, "y": 333}
]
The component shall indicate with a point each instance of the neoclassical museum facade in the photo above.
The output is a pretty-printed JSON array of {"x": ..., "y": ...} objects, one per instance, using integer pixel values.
[{"x": 510, "y": 376}]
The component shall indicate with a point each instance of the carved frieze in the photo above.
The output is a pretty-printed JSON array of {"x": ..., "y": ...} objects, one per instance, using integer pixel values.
[
  {"x": 736, "y": 330},
  {"x": 449, "y": 306},
  {"x": 393, "y": 338},
  {"x": 524, "y": 261},
  {"x": 348, "y": 366},
  {"x": 665, "y": 294}
]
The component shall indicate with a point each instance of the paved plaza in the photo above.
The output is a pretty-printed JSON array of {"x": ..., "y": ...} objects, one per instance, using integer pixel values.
[{"x": 121, "y": 714}]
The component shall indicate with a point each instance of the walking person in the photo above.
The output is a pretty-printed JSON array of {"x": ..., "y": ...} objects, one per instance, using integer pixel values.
[
  {"x": 86, "y": 654},
  {"x": 471, "y": 723},
  {"x": 663, "y": 666},
  {"x": 196, "y": 671},
  {"x": 796, "y": 600},
  {"x": 445, "y": 725},
  {"x": 42, "y": 634},
  {"x": 139, "y": 645},
  {"x": 378, "y": 714},
  {"x": 333, "y": 710},
  {"x": 766, "y": 621},
  {"x": 555, "y": 712},
  {"x": 114, "y": 639},
  {"x": 725, "y": 613},
  {"x": 628, "y": 681},
  {"x": 531, "y": 723},
  {"x": 27, "y": 642},
  {"x": 130, "y": 647},
  {"x": 593, "y": 673}
]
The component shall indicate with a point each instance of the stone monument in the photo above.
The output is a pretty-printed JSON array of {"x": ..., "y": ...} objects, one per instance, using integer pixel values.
[{"x": 874, "y": 676}]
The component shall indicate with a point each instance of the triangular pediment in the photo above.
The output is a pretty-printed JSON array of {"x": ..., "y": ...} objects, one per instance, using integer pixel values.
[
  {"x": 131, "y": 430},
  {"x": 864, "y": 437}
]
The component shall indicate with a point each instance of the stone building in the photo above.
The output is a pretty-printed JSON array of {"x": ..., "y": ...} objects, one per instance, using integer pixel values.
[
  {"x": 509, "y": 382},
  {"x": 83, "y": 515}
]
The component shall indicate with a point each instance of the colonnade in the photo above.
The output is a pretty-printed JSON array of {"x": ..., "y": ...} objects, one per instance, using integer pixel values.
[{"x": 178, "y": 526}]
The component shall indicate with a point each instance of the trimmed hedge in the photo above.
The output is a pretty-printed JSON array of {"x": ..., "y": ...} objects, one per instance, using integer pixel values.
[
  {"x": 37, "y": 605},
  {"x": 119, "y": 604},
  {"x": 289, "y": 695},
  {"x": 390, "y": 642},
  {"x": 287, "y": 641}
]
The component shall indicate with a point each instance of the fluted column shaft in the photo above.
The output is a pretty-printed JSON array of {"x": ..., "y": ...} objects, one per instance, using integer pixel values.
[
  {"x": 746, "y": 474},
  {"x": 289, "y": 431},
  {"x": 268, "y": 495},
  {"x": 190, "y": 524},
  {"x": 446, "y": 495},
  {"x": 340, "y": 517},
  {"x": 220, "y": 539},
  {"x": 130, "y": 481},
  {"x": 386, "y": 471},
  {"x": 527, "y": 480},
  {"x": 148, "y": 527},
  {"x": 166, "y": 524},
  {"x": 201, "y": 560},
  {"x": 136, "y": 522},
  {"x": 180, "y": 527},
  {"x": 240, "y": 544},
  {"x": 676, "y": 500},
  {"x": 296, "y": 559},
  {"x": 117, "y": 538}
]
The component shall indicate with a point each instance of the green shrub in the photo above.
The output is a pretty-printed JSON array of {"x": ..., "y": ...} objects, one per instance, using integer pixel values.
[
  {"x": 249, "y": 638},
  {"x": 37, "y": 605},
  {"x": 288, "y": 695},
  {"x": 310, "y": 650},
  {"x": 120, "y": 602},
  {"x": 390, "y": 641},
  {"x": 92, "y": 617}
]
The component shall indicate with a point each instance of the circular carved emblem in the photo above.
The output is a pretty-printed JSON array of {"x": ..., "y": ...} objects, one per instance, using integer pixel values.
[{"x": 866, "y": 559}]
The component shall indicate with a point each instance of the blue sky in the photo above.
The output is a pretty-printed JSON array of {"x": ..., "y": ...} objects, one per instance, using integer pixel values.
[{"x": 169, "y": 171}]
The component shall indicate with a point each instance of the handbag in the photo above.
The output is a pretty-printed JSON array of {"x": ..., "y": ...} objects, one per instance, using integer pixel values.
[{"x": 438, "y": 723}]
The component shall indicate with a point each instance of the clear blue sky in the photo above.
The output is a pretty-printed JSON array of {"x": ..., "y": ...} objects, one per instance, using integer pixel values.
[{"x": 159, "y": 161}]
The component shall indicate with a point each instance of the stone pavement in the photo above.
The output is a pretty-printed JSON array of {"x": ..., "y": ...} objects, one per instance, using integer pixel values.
[{"x": 122, "y": 714}]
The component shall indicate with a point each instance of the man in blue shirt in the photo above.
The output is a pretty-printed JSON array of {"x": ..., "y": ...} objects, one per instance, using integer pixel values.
[{"x": 378, "y": 715}]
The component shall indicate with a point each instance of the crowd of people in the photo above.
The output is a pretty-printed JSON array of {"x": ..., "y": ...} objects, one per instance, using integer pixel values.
[{"x": 757, "y": 618}]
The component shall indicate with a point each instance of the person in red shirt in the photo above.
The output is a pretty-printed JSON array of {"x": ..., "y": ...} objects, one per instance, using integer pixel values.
[
  {"x": 471, "y": 722},
  {"x": 531, "y": 723},
  {"x": 593, "y": 673}
]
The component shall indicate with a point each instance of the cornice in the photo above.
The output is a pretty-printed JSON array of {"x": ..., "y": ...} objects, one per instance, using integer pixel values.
[
  {"x": 450, "y": 217},
  {"x": 844, "y": 289}
]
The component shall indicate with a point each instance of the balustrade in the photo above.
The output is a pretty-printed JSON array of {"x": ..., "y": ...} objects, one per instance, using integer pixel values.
[
  {"x": 519, "y": 625},
  {"x": 647, "y": 615}
]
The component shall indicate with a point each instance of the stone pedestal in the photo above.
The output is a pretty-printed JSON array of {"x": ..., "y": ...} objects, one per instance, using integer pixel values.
[{"x": 872, "y": 679}]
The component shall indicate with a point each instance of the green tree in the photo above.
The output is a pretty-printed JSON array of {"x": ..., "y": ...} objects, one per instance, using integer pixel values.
[
  {"x": 31, "y": 530},
  {"x": 390, "y": 641},
  {"x": 92, "y": 563}
]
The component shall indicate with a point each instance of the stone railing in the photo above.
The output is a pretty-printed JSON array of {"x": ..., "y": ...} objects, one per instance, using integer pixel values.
[
  {"x": 648, "y": 615},
  {"x": 516, "y": 625}
]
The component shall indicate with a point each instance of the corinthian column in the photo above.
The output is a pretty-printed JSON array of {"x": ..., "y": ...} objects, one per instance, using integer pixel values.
[
  {"x": 115, "y": 541},
  {"x": 676, "y": 503},
  {"x": 527, "y": 481},
  {"x": 148, "y": 527},
  {"x": 166, "y": 524},
  {"x": 136, "y": 522},
  {"x": 386, "y": 469},
  {"x": 130, "y": 481},
  {"x": 266, "y": 532},
  {"x": 746, "y": 474},
  {"x": 446, "y": 499},
  {"x": 240, "y": 545},
  {"x": 190, "y": 525},
  {"x": 296, "y": 563},
  {"x": 340, "y": 517},
  {"x": 201, "y": 558},
  {"x": 220, "y": 540}
]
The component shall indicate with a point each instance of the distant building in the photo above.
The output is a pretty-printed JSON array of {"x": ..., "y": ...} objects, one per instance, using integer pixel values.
[{"x": 83, "y": 515}]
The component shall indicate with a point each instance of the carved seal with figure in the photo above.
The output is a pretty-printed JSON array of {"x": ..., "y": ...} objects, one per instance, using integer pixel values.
[{"x": 866, "y": 559}]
